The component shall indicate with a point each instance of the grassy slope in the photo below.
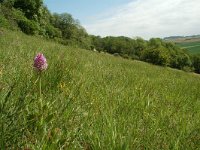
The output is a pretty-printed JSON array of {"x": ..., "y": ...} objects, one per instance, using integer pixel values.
[
  {"x": 192, "y": 47},
  {"x": 93, "y": 100}
]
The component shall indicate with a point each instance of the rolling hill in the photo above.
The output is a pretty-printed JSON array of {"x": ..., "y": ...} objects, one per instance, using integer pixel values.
[
  {"x": 190, "y": 43},
  {"x": 192, "y": 47},
  {"x": 92, "y": 100}
]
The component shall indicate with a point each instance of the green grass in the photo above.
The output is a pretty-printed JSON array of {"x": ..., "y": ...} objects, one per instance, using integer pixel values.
[
  {"x": 192, "y": 47},
  {"x": 93, "y": 100}
]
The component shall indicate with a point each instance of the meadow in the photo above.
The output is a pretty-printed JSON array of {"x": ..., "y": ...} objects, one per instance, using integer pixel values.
[
  {"x": 92, "y": 100},
  {"x": 192, "y": 47}
]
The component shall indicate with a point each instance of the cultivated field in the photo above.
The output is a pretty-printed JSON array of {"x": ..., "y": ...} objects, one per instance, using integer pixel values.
[
  {"x": 93, "y": 100},
  {"x": 192, "y": 47}
]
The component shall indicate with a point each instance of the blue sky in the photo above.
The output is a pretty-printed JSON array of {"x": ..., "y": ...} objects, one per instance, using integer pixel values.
[
  {"x": 83, "y": 10},
  {"x": 144, "y": 18}
]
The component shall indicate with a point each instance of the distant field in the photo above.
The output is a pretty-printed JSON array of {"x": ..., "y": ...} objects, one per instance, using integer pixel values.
[{"x": 192, "y": 47}]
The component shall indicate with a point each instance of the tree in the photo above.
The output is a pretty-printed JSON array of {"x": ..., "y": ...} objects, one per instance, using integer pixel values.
[
  {"x": 140, "y": 45},
  {"x": 68, "y": 26},
  {"x": 72, "y": 32},
  {"x": 157, "y": 56},
  {"x": 180, "y": 60},
  {"x": 31, "y": 8},
  {"x": 155, "y": 42},
  {"x": 196, "y": 63},
  {"x": 97, "y": 43}
]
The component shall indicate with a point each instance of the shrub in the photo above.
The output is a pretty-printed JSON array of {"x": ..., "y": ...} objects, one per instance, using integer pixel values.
[
  {"x": 126, "y": 56},
  {"x": 31, "y": 8},
  {"x": 180, "y": 61},
  {"x": 17, "y": 15},
  {"x": 7, "y": 18},
  {"x": 53, "y": 32},
  {"x": 4, "y": 22},
  {"x": 188, "y": 69},
  {"x": 7, "y": 3},
  {"x": 156, "y": 56},
  {"x": 196, "y": 63},
  {"x": 15, "y": 19},
  {"x": 135, "y": 57},
  {"x": 28, "y": 26}
]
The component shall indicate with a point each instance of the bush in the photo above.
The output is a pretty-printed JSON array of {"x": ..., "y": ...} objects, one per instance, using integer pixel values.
[
  {"x": 126, "y": 56},
  {"x": 188, "y": 69},
  {"x": 28, "y": 26},
  {"x": 156, "y": 56},
  {"x": 135, "y": 57},
  {"x": 180, "y": 61},
  {"x": 14, "y": 19},
  {"x": 196, "y": 63},
  {"x": 17, "y": 15},
  {"x": 31, "y": 8},
  {"x": 7, "y": 3},
  {"x": 53, "y": 32},
  {"x": 7, "y": 18},
  {"x": 4, "y": 22}
]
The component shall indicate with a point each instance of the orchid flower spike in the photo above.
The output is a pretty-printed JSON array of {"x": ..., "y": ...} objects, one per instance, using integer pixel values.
[{"x": 40, "y": 62}]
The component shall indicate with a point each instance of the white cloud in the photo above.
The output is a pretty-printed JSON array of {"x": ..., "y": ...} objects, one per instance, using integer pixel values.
[{"x": 149, "y": 18}]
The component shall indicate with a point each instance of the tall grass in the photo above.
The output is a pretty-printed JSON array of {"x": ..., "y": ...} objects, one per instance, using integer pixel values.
[{"x": 93, "y": 100}]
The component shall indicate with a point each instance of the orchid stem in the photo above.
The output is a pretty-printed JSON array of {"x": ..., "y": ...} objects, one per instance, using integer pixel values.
[
  {"x": 40, "y": 91},
  {"x": 40, "y": 85}
]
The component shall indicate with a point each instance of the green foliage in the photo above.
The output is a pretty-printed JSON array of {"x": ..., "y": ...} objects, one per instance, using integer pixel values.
[
  {"x": 8, "y": 16},
  {"x": 4, "y": 22},
  {"x": 31, "y": 8},
  {"x": 196, "y": 63},
  {"x": 140, "y": 45},
  {"x": 156, "y": 56},
  {"x": 32, "y": 17},
  {"x": 121, "y": 45},
  {"x": 44, "y": 17},
  {"x": 155, "y": 51},
  {"x": 188, "y": 69},
  {"x": 97, "y": 43},
  {"x": 155, "y": 42},
  {"x": 53, "y": 32},
  {"x": 28, "y": 26},
  {"x": 92, "y": 100},
  {"x": 180, "y": 60},
  {"x": 72, "y": 32},
  {"x": 66, "y": 24},
  {"x": 7, "y": 3}
]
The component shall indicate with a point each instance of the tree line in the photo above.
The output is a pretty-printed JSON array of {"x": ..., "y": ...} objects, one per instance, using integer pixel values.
[
  {"x": 155, "y": 51},
  {"x": 34, "y": 18}
]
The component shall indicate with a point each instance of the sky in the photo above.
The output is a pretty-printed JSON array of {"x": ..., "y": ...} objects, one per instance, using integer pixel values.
[{"x": 133, "y": 18}]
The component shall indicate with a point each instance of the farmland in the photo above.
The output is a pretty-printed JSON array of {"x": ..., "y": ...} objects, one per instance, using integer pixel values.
[{"x": 192, "y": 47}]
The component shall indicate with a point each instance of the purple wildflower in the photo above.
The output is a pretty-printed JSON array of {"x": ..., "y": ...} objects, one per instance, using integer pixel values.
[{"x": 40, "y": 62}]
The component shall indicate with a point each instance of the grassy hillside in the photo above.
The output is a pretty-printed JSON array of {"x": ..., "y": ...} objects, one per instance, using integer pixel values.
[
  {"x": 93, "y": 100},
  {"x": 192, "y": 47}
]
